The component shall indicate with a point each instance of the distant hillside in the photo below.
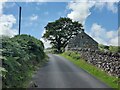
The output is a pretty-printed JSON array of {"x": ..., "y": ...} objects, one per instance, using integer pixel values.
[
  {"x": 109, "y": 48},
  {"x": 21, "y": 54}
]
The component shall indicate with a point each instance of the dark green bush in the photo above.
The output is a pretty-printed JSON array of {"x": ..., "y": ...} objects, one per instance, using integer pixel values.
[{"x": 22, "y": 54}]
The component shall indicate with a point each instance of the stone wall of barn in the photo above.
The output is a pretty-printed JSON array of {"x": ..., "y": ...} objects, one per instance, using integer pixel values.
[
  {"x": 107, "y": 61},
  {"x": 82, "y": 40}
]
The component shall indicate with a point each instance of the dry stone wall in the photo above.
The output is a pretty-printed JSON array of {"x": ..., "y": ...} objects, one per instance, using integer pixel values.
[{"x": 107, "y": 61}]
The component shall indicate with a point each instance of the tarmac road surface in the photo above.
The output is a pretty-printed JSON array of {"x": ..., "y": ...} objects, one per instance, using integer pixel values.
[{"x": 61, "y": 73}]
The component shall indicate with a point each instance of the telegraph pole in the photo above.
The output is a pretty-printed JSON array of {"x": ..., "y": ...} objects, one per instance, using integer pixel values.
[{"x": 19, "y": 19}]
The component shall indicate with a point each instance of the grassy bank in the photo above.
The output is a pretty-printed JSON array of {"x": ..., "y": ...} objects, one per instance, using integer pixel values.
[{"x": 98, "y": 73}]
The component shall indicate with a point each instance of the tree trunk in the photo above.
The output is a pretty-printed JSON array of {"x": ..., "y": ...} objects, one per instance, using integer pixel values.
[
  {"x": 59, "y": 46},
  {"x": 59, "y": 49}
]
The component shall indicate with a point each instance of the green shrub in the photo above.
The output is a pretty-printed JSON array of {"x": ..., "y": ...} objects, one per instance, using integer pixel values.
[
  {"x": 109, "y": 48},
  {"x": 74, "y": 55},
  {"x": 114, "y": 48},
  {"x": 22, "y": 54}
]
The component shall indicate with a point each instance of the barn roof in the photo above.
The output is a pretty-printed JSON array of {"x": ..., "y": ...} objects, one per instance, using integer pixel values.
[{"x": 83, "y": 33}]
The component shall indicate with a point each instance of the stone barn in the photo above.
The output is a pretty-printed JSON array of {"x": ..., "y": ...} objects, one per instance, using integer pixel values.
[{"x": 82, "y": 40}]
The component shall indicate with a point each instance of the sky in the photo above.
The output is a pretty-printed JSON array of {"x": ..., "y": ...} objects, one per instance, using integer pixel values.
[{"x": 100, "y": 19}]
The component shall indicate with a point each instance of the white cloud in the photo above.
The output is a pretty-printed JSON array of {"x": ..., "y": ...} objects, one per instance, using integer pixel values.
[
  {"x": 111, "y": 34},
  {"x": 112, "y": 7},
  {"x": 109, "y": 5},
  {"x": 114, "y": 41},
  {"x": 45, "y": 42},
  {"x": 1, "y": 7},
  {"x": 102, "y": 36},
  {"x": 80, "y": 10},
  {"x": 6, "y": 23},
  {"x": 34, "y": 17},
  {"x": 100, "y": 5}
]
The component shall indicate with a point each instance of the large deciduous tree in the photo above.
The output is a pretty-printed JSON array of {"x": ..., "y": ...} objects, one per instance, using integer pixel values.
[{"x": 60, "y": 31}]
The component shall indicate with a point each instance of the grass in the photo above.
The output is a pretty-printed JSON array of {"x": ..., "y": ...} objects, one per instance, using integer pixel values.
[{"x": 98, "y": 73}]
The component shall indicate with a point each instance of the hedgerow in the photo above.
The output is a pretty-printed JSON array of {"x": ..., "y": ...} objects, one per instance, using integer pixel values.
[{"x": 20, "y": 56}]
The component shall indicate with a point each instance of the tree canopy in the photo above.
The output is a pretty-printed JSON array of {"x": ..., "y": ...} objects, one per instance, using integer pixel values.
[{"x": 60, "y": 31}]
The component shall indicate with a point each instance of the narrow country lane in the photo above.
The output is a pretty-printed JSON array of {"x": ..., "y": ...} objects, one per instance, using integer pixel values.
[{"x": 61, "y": 73}]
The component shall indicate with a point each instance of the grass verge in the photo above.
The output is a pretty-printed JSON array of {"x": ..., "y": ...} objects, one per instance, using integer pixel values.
[{"x": 98, "y": 73}]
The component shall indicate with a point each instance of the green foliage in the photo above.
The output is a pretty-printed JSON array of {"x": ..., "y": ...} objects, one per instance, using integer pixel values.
[
  {"x": 103, "y": 47},
  {"x": 114, "y": 48},
  {"x": 60, "y": 31},
  {"x": 2, "y": 71},
  {"x": 109, "y": 48},
  {"x": 74, "y": 55},
  {"x": 97, "y": 72},
  {"x": 22, "y": 54}
]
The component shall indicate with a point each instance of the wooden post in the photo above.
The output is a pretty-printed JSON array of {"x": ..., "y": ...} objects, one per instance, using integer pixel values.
[{"x": 19, "y": 19}]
